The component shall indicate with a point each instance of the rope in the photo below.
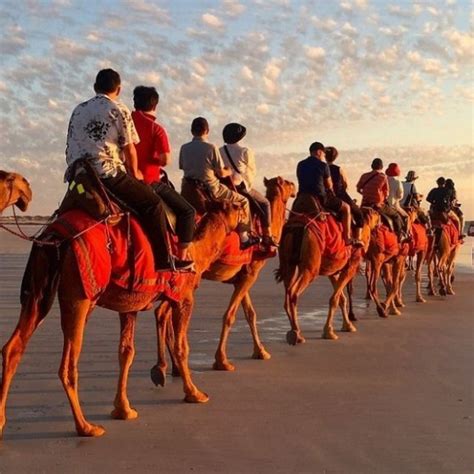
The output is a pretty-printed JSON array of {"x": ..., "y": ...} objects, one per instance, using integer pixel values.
[{"x": 33, "y": 238}]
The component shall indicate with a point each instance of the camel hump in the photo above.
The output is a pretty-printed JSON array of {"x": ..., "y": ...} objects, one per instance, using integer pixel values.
[{"x": 306, "y": 204}]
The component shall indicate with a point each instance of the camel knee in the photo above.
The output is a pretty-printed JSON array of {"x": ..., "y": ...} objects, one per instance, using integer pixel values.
[
  {"x": 126, "y": 351},
  {"x": 229, "y": 320}
]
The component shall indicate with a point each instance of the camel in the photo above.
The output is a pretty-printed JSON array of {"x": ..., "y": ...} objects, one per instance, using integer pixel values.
[
  {"x": 441, "y": 260},
  {"x": 278, "y": 191},
  {"x": 297, "y": 276},
  {"x": 391, "y": 265},
  {"x": 14, "y": 190},
  {"x": 49, "y": 275}
]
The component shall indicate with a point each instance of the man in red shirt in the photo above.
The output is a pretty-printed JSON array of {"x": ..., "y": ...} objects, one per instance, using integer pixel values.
[
  {"x": 153, "y": 153},
  {"x": 374, "y": 189}
]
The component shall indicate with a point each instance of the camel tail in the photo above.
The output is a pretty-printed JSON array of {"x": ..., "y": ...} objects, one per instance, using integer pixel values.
[
  {"x": 289, "y": 252},
  {"x": 41, "y": 278}
]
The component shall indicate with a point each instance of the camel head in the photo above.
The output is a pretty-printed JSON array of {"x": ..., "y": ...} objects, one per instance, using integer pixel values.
[
  {"x": 279, "y": 187},
  {"x": 14, "y": 190}
]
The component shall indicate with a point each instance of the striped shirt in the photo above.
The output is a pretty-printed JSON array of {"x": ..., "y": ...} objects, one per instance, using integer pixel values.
[{"x": 374, "y": 188}]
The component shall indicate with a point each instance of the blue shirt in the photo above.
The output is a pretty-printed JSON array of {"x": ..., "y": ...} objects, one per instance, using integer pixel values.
[{"x": 311, "y": 174}]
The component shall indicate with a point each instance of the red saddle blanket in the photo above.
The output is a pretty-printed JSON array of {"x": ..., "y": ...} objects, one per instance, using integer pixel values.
[
  {"x": 119, "y": 254},
  {"x": 419, "y": 242},
  {"x": 386, "y": 240},
  {"x": 329, "y": 234},
  {"x": 452, "y": 232},
  {"x": 232, "y": 255}
]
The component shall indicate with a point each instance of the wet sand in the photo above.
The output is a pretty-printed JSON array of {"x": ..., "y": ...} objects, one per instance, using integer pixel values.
[{"x": 394, "y": 397}]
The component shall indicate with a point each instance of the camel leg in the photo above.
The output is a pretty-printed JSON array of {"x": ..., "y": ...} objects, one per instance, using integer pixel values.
[
  {"x": 292, "y": 292},
  {"x": 14, "y": 349},
  {"x": 123, "y": 410},
  {"x": 339, "y": 283},
  {"x": 74, "y": 312},
  {"x": 259, "y": 351},
  {"x": 397, "y": 268},
  {"x": 420, "y": 257},
  {"x": 240, "y": 289},
  {"x": 162, "y": 320},
  {"x": 376, "y": 267},
  {"x": 350, "y": 292},
  {"x": 368, "y": 272},
  {"x": 399, "y": 298},
  {"x": 181, "y": 316}
]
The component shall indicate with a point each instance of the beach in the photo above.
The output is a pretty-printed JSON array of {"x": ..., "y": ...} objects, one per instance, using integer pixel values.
[{"x": 394, "y": 397}]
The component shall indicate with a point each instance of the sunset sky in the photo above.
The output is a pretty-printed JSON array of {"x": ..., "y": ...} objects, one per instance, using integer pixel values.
[{"x": 373, "y": 78}]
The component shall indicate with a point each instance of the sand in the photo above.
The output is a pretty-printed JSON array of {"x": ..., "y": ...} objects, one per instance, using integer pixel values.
[{"x": 394, "y": 397}]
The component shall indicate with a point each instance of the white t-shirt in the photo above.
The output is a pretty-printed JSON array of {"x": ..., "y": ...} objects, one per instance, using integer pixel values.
[
  {"x": 244, "y": 160},
  {"x": 395, "y": 191},
  {"x": 98, "y": 130},
  {"x": 408, "y": 188}
]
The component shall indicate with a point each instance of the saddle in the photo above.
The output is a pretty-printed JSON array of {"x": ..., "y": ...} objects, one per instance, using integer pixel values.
[{"x": 87, "y": 193}]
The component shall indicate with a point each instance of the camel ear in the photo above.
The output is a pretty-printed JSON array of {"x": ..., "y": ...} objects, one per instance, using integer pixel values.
[
  {"x": 265, "y": 181},
  {"x": 280, "y": 180}
]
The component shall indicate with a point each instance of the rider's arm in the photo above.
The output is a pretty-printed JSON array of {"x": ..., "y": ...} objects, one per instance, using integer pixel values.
[
  {"x": 328, "y": 184},
  {"x": 161, "y": 147},
  {"x": 220, "y": 169},
  {"x": 130, "y": 154},
  {"x": 344, "y": 182}
]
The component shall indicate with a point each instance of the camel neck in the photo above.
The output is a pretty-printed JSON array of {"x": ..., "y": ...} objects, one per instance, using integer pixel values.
[
  {"x": 209, "y": 241},
  {"x": 278, "y": 216}
]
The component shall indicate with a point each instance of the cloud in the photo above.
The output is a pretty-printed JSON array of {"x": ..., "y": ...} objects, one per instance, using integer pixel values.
[
  {"x": 233, "y": 8},
  {"x": 212, "y": 20},
  {"x": 13, "y": 40},
  {"x": 315, "y": 52}
]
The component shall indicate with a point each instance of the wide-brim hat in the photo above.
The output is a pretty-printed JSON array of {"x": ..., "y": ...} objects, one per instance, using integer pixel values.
[
  {"x": 233, "y": 132},
  {"x": 411, "y": 176}
]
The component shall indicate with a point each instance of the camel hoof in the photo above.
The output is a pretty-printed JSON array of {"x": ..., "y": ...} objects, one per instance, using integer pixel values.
[
  {"x": 420, "y": 299},
  {"x": 261, "y": 354},
  {"x": 198, "y": 397},
  {"x": 395, "y": 312},
  {"x": 400, "y": 304},
  {"x": 381, "y": 312},
  {"x": 348, "y": 328},
  {"x": 175, "y": 372},
  {"x": 158, "y": 376},
  {"x": 223, "y": 365},
  {"x": 293, "y": 337},
  {"x": 442, "y": 292},
  {"x": 123, "y": 414},
  {"x": 451, "y": 292},
  {"x": 91, "y": 431},
  {"x": 330, "y": 334},
  {"x": 352, "y": 317}
]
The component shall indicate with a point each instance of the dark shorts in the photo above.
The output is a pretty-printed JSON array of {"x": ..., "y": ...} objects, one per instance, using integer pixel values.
[{"x": 332, "y": 203}]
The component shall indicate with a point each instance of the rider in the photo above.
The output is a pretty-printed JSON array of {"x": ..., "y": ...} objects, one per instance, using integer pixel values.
[
  {"x": 455, "y": 206},
  {"x": 411, "y": 198},
  {"x": 202, "y": 162},
  {"x": 374, "y": 189},
  {"x": 440, "y": 203},
  {"x": 241, "y": 161},
  {"x": 153, "y": 153},
  {"x": 340, "y": 185},
  {"x": 101, "y": 130},
  {"x": 395, "y": 192},
  {"x": 314, "y": 178}
]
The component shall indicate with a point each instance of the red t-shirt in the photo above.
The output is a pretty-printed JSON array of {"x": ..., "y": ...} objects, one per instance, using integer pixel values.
[{"x": 153, "y": 142}]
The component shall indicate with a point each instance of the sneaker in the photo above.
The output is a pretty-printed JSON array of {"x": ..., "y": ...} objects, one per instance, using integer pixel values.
[
  {"x": 252, "y": 240},
  {"x": 268, "y": 241},
  {"x": 405, "y": 239},
  {"x": 356, "y": 243}
]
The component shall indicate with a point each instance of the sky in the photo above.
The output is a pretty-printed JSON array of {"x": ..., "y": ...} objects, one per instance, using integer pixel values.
[{"x": 370, "y": 77}]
